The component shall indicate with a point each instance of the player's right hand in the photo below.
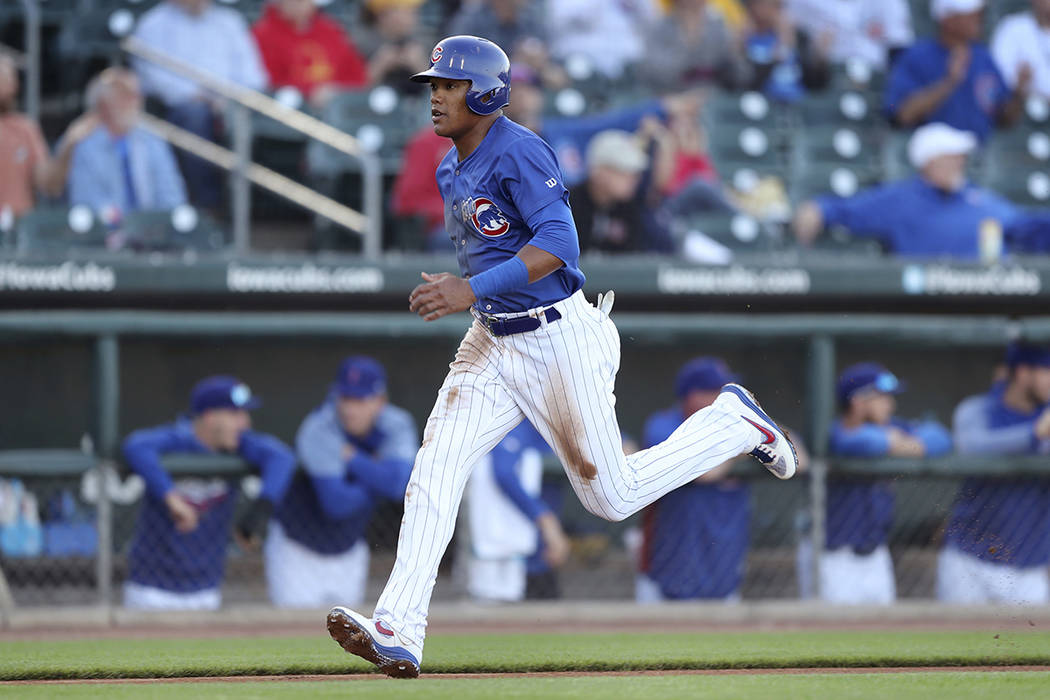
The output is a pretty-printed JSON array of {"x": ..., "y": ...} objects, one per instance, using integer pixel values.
[
  {"x": 182, "y": 512},
  {"x": 440, "y": 295}
]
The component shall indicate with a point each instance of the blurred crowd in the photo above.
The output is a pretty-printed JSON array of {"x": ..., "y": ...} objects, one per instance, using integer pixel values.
[
  {"x": 627, "y": 94},
  {"x": 323, "y": 504}
]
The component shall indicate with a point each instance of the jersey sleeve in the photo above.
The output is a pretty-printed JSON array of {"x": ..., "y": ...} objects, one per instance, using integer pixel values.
[
  {"x": 935, "y": 438},
  {"x": 531, "y": 176},
  {"x": 275, "y": 460},
  {"x": 142, "y": 451},
  {"x": 864, "y": 441},
  {"x": 320, "y": 447},
  {"x": 903, "y": 82},
  {"x": 973, "y": 434},
  {"x": 864, "y": 214}
]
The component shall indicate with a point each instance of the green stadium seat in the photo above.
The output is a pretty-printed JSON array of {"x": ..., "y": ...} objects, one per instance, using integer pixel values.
[
  {"x": 733, "y": 230},
  {"x": 183, "y": 228},
  {"x": 59, "y": 229},
  {"x": 747, "y": 109},
  {"x": 748, "y": 145},
  {"x": 1028, "y": 187},
  {"x": 837, "y": 144},
  {"x": 380, "y": 118},
  {"x": 839, "y": 179},
  {"x": 846, "y": 108}
]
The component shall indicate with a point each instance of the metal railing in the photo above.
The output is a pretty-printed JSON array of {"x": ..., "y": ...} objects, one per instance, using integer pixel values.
[
  {"x": 819, "y": 333},
  {"x": 245, "y": 101}
]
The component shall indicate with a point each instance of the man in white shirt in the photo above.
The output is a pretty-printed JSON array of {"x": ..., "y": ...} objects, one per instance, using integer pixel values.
[
  {"x": 610, "y": 35},
  {"x": 858, "y": 29},
  {"x": 1021, "y": 43},
  {"x": 214, "y": 39}
]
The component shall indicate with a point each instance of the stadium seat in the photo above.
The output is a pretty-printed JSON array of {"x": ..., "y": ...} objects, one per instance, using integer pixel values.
[
  {"x": 750, "y": 145},
  {"x": 381, "y": 119},
  {"x": 839, "y": 179},
  {"x": 59, "y": 229},
  {"x": 747, "y": 109},
  {"x": 1025, "y": 186},
  {"x": 733, "y": 230},
  {"x": 182, "y": 228},
  {"x": 845, "y": 108},
  {"x": 836, "y": 145}
]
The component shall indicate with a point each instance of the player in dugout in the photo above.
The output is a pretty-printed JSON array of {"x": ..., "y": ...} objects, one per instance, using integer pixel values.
[
  {"x": 537, "y": 350},
  {"x": 356, "y": 450},
  {"x": 178, "y": 551},
  {"x": 855, "y": 567}
]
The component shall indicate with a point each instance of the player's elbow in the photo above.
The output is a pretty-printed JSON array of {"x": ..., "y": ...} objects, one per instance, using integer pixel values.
[{"x": 606, "y": 511}]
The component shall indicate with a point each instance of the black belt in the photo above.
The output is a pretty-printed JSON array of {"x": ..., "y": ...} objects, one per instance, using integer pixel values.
[{"x": 520, "y": 324}]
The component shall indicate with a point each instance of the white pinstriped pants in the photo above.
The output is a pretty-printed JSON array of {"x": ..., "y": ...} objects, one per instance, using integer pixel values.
[{"x": 561, "y": 377}]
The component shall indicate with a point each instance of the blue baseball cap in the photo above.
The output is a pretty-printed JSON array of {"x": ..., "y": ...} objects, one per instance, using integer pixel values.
[
  {"x": 360, "y": 377},
  {"x": 702, "y": 374},
  {"x": 1020, "y": 353},
  {"x": 867, "y": 376},
  {"x": 222, "y": 391}
]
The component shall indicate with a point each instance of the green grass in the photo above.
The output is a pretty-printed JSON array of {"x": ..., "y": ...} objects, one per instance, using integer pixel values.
[
  {"x": 900, "y": 686},
  {"x": 161, "y": 658}
]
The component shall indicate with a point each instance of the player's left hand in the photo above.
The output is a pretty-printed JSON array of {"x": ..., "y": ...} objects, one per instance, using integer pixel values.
[{"x": 440, "y": 295}]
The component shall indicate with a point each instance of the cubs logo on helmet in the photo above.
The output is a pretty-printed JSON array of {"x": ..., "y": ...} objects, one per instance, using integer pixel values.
[
  {"x": 436, "y": 56},
  {"x": 487, "y": 218}
]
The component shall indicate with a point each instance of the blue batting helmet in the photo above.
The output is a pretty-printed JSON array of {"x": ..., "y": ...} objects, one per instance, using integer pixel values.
[{"x": 475, "y": 59}]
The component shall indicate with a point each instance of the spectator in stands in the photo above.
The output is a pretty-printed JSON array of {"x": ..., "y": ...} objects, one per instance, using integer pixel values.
[
  {"x": 855, "y": 567},
  {"x": 357, "y": 451},
  {"x": 394, "y": 43},
  {"x": 609, "y": 35},
  {"x": 692, "y": 46},
  {"x": 25, "y": 165},
  {"x": 872, "y": 32},
  {"x": 934, "y": 213},
  {"x": 120, "y": 167},
  {"x": 506, "y": 22},
  {"x": 1021, "y": 44},
  {"x": 178, "y": 551},
  {"x": 695, "y": 539},
  {"x": 508, "y": 520},
  {"x": 569, "y": 136},
  {"x": 304, "y": 48},
  {"x": 997, "y": 542},
  {"x": 415, "y": 188},
  {"x": 952, "y": 78},
  {"x": 786, "y": 62},
  {"x": 609, "y": 207},
  {"x": 210, "y": 38}
]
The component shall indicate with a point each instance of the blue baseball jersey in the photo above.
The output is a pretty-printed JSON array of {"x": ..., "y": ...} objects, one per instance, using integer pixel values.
[
  {"x": 695, "y": 537},
  {"x": 1005, "y": 521},
  {"x": 972, "y": 106},
  {"x": 860, "y": 511},
  {"x": 162, "y": 557},
  {"x": 329, "y": 505},
  {"x": 497, "y": 200}
]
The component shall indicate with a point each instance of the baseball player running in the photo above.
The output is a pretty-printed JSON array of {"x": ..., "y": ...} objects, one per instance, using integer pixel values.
[{"x": 537, "y": 350}]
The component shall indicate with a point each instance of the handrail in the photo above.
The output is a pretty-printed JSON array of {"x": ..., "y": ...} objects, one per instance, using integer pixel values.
[
  {"x": 259, "y": 174},
  {"x": 32, "y": 58},
  {"x": 369, "y": 225}
]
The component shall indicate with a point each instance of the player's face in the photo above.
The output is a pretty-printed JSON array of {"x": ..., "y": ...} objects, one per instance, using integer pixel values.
[
  {"x": 697, "y": 399},
  {"x": 358, "y": 416},
  {"x": 880, "y": 408},
  {"x": 966, "y": 27},
  {"x": 1040, "y": 384},
  {"x": 448, "y": 108},
  {"x": 222, "y": 428}
]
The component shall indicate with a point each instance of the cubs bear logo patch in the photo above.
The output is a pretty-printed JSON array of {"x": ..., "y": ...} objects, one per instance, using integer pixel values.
[{"x": 486, "y": 217}]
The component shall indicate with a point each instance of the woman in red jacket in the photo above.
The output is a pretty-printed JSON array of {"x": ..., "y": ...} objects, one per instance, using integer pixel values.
[{"x": 305, "y": 49}]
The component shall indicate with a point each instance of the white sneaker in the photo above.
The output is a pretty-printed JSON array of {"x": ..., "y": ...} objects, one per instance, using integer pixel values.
[
  {"x": 374, "y": 642},
  {"x": 775, "y": 452}
]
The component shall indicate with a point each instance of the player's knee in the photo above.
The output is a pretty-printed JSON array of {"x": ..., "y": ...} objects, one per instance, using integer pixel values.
[{"x": 605, "y": 510}]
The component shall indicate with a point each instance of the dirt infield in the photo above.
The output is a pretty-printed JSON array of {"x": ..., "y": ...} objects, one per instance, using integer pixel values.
[{"x": 545, "y": 674}]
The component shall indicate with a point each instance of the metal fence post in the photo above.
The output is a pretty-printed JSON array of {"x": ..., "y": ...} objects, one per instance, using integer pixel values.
[
  {"x": 107, "y": 407},
  {"x": 241, "y": 186},
  {"x": 372, "y": 170},
  {"x": 32, "y": 46},
  {"x": 821, "y": 393}
]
